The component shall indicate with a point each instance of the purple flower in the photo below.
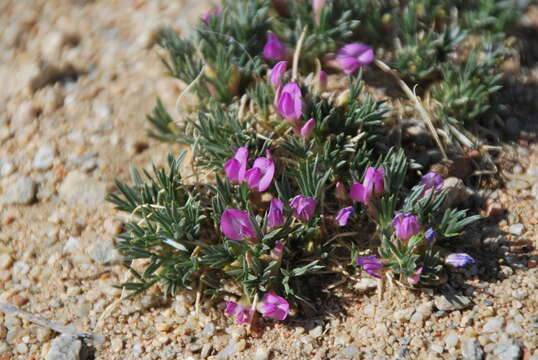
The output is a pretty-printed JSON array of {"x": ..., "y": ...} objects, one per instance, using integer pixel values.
[
  {"x": 343, "y": 215},
  {"x": 275, "y": 217},
  {"x": 274, "y": 307},
  {"x": 432, "y": 181},
  {"x": 236, "y": 167},
  {"x": 373, "y": 183},
  {"x": 459, "y": 260},
  {"x": 307, "y": 128},
  {"x": 415, "y": 278},
  {"x": 276, "y": 74},
  {"x": 277, "y": 251},
  {"x": 371, "y": 264},
  {"x": 352, "y": 56},
  {"x": 303, "y": 207},
  {"x": 290, "y": 102},
  {"x": 236, "y": 225},
  {"x": 243, "y": 313},
  {"x": 405, "y": 225},
  {"x": 274, "y": 49},
  {"x": 261, "y": 174},
  {"x": 213, "y": 12},
  {"x": 430, "y": 235}
]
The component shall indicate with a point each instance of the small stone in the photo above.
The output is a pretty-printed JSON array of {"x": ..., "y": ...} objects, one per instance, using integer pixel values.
[
  {"x": 103, "y": 252},
  {"x": 451, "y": 340},
  {"x": 44, "y": 158},
  {"x": 206, "y": 349},
  {"x": 437, "y": 348},
  {"x": 261, "y": 353},
  {"x": 149, "y": 301},
  {"x": 316, "y": 332},
  {"x": 493, "y": 325},
  {"x": 26, "y": 113},
  {"x": 506, "y": 271},
  {"x": 403, "y": 315},
  {"x": 513, "y": 328},
  {"x": 350, "y": 352},
  {"x": 471, "y": 349},
  {"x": 21, "y": 348},
  {"x": 43, "y": 334},
  {"x": 21, "y": 192},
  {"x": 517, "y": 185},
  {"x": 65, "y": 347},
  {"x": 208, "y": 331},
  {"x": 508, "y": 350},
  {"x": 79, "y": 189},
  {"x": 365, "y": 284},
  {"x": 116, "y": 345},
  {"x": 137, "y": 349},
  {"x": 518, "y": 294},
  {"x": 228, "y": 352},
  {"x": 112, "y": 227},
  {"x": 72, "y": 245},
  {"x": 5, "y": 261},
  {"x": 452, "y": 302},
  {"x": 516, "y": 229},
  {"x": 6, "y": 168},
  {"x": 55, "y": 40}
]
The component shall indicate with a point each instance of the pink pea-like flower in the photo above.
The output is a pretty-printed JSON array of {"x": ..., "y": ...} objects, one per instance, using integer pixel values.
[
  {"x": 275, "y": 216},
  {"x": 236, "y": 167},
  {"x": 277, "y": 72},
  {"x": 371, "y": 264},
  {"x": 307, "y": 128},
  {"x": 353, "y": 56},
  {"x": 274, "y": 307},
  {"x": 405, "y": 225},
  {"x": 459, "y": 260},
  {"x": 415, "y": 278},
  {"x": 261, "y": 174},
  {"x": 343, "y": 215},
  {"x": 290, "y": 102},
  {"x": 213, "y": 12},
  {"x": 373, "y": 183},
  {"x": 243, "y": 313},
  {"x": 236, "y": 225},
  {"x": 303, "y": 207},
  {"x": 432, "y": 181},
  {"x": 274, "y": 49}
]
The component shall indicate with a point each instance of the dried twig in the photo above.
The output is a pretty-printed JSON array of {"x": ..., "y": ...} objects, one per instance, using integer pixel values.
[
  {"x": 297, "y": 54},
  {"x": 88, "y": 338},
  {"x": 412, "y": 96}
]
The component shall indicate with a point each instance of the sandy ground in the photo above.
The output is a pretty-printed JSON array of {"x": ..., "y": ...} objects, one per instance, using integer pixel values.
[{"x": 77, "y": 79}]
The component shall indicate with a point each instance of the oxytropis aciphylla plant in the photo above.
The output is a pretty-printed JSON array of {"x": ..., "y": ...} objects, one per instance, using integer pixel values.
[{"x": 414, "y": 228}]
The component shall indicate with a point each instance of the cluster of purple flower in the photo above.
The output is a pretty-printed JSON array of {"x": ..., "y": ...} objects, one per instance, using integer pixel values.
[{"x": 271, "y": 306}]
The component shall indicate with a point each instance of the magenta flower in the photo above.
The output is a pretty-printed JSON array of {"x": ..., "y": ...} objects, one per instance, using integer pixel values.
[
  {"x": 275, "y": 217},
  {"x": 278, "y": 251},
  {"x": 303, "y": 207},
  {"x": 432, "y": 181},
  {"x": 243, "y": 313},
  {"x": 430, "y": 235},
  {"x": 213, "y": 12},
  {"x": 261, "y": 174},
  {"x": 277, "y": 72},
  {"x": 459, "y": 260},
  {"x": 373, "y": 183},
  {"x": 371, "y": 264},
  {"x": 290, "y": 102},
  {"x": 236, "y": 225},
  {"x": 236, "y": 167},
  {"x": 415, "y": 278},
  {"x": 405, "y": 225},
  {"x": 274, "y": 49},
  {"x": 343, "y": 215},
  {"x": 307, "y": 128},
  {"x": 274, "y": 307},
  {"x": 353, "y": 56}
]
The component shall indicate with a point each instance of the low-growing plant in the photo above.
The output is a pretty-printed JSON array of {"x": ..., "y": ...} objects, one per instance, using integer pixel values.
[{"x": 297, "y": 178}]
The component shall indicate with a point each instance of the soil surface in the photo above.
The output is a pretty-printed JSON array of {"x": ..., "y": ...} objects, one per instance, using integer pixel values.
[{"x": 77, "y": 79}]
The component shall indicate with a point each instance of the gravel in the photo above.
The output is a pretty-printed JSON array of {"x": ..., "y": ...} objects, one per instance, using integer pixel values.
[
  {"x": 516, "y": 229},
  {"x": 44, "y": 158},
  {"x": 452, "y": 302},
  {"x": 509, "y": 350},
  {"x": 21, "y": 192},
  {"x": 471, "y": 349},
  {"x": 66, "y": 347},
  {"x": 79, "y": 189}
]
